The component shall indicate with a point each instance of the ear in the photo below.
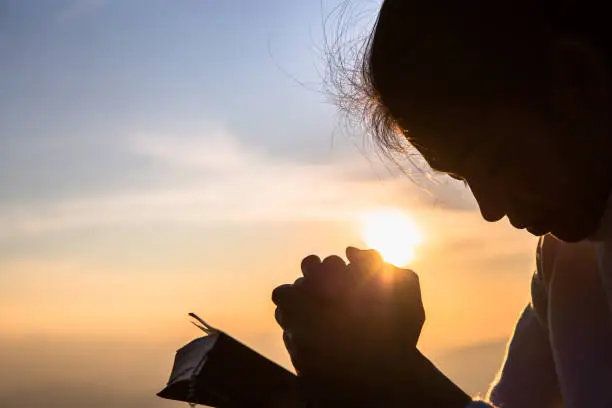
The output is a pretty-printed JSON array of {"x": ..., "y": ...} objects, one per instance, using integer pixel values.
[{"x": 580, "y": 79}]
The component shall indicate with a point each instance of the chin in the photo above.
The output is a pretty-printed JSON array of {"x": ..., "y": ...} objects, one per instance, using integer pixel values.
[
  {"x": 570, "y": 237},
  {"x": 560, "y": 235},
  {"x": 566, "y": 233},
  {"x": 574, "y": 233},
  {"x": 568, "y": 228}
]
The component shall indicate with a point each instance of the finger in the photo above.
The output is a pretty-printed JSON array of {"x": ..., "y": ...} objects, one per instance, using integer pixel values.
[
  {"x": 370, "y": 256},
  {"x": 280, "y": 293},
  {"x": 287, "y": 339},
  {"x": 300, "y": 351},
  {"x": 306, "y": 350},
  {"x": 407, "y": 290},
  {"x": 364, "y": 261},
  {"x": 408, "y": 276},
  {"x": 401, "y": 276},
  {"x": 278, "y": 316},
  {"x": 310, "y": 265},
  {"x": 300, "y": 342},
  {"x": 333, "y": 278},
  {"x": 334, "y": 269},
  {"x": 298, "y": 311},
  {"x": 333, "y": 264},
  {"x": 404, "y": 281},
  {"x": 294, "y": 353},
  {"x": 288, "y": 318},
  {"x": 352, "y": 253}
]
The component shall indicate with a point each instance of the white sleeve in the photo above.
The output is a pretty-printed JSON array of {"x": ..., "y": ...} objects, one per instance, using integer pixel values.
[
  {"x": 528, "y": 378},
  {"x": 480, "y": 404}
]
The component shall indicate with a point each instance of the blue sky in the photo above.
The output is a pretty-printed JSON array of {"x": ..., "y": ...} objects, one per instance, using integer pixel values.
[
  {"x": 80, "y": 76},
  {"x": 109, "y": 106}
]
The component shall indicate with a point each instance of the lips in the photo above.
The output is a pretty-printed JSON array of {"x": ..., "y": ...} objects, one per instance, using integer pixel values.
[{"x": 534, "y": 226}]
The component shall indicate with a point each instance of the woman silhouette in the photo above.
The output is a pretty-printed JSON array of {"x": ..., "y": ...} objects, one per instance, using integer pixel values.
[{"x": 515, "y": 99}]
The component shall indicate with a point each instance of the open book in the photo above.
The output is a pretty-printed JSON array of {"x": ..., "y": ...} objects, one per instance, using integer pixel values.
[{"x": 218, "y": 371}]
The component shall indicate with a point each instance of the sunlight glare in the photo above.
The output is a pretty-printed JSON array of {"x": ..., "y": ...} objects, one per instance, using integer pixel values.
[{"x": 392, "y": 233}]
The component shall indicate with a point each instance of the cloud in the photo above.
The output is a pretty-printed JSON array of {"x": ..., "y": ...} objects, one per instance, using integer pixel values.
[
  {"x": 216, "y": 151},
  {"x": 231, "y": 184},
  {"x": 294, "y": 195}
]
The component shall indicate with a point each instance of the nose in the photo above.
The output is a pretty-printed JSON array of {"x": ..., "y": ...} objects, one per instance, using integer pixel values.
[{"x": 490, "y": 200}]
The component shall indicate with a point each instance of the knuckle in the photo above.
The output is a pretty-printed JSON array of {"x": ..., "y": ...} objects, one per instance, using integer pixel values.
[
  {"x": 280, "y": 293},
  {"x": 333, "y": 260},
  {"x": 288, "y": 340},
  {"x": 278, "y": 316},
  {"x": 410, "y": 274},
  {"x": 311, "y": 260},
  {"x": 373, "y": 254}
]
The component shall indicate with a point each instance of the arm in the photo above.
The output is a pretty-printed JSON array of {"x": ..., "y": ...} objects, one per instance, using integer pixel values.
[
  {"x": 527, "y": 379},
  {"x": 351, "y": 331},
  {"x": 357, "y": 357},
  {"x": 403, "y": 380}
]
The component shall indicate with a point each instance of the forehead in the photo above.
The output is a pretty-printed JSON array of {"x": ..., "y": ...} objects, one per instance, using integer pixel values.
[{"x": 446, "y": 136}]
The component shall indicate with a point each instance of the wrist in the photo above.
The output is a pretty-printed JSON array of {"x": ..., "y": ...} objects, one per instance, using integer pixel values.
[
  {"x": 406, "y": 379},
  {"x": 435, "y": 389}
]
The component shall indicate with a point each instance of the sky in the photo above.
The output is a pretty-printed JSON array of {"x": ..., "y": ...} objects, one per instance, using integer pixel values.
[{"x": 162, "y": 157}]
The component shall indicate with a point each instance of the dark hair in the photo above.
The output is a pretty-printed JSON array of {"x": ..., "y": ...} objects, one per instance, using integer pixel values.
[{"x": 427, "y": 55}]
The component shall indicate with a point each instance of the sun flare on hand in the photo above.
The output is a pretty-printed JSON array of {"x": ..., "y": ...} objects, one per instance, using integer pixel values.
[{"x": 392, "y": 233}]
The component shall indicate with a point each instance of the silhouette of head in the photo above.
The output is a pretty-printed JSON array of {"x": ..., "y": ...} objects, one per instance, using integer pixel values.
[{"x": 513, "y": 97}]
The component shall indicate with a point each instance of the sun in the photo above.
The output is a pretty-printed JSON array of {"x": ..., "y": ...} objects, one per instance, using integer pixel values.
[{"x": 392, "y": 233}]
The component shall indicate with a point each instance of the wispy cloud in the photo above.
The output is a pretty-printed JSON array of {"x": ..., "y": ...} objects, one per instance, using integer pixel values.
[
  {"x": 237, "y": 185},
  {"x": 214, "y": 150}
]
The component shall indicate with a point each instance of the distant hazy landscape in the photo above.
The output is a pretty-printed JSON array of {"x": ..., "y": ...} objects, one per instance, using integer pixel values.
[
  {"x": 473, "y": 367},
  {"x": 46, "y": 374}
]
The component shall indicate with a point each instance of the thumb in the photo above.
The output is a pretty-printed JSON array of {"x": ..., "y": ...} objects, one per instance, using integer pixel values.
[{"x": 366, "y": 260}]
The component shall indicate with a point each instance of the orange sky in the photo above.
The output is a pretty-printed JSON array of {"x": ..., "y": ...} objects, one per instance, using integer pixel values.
[
  {"x": 140, "y": 280},
  {"x": 107, "y": 286}
]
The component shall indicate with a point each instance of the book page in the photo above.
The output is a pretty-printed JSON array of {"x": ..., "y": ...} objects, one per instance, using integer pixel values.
[{"x": 189, "y": 359}]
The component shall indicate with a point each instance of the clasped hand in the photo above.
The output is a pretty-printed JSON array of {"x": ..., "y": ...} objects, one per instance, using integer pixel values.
[{"x": 350, "y": 325}]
